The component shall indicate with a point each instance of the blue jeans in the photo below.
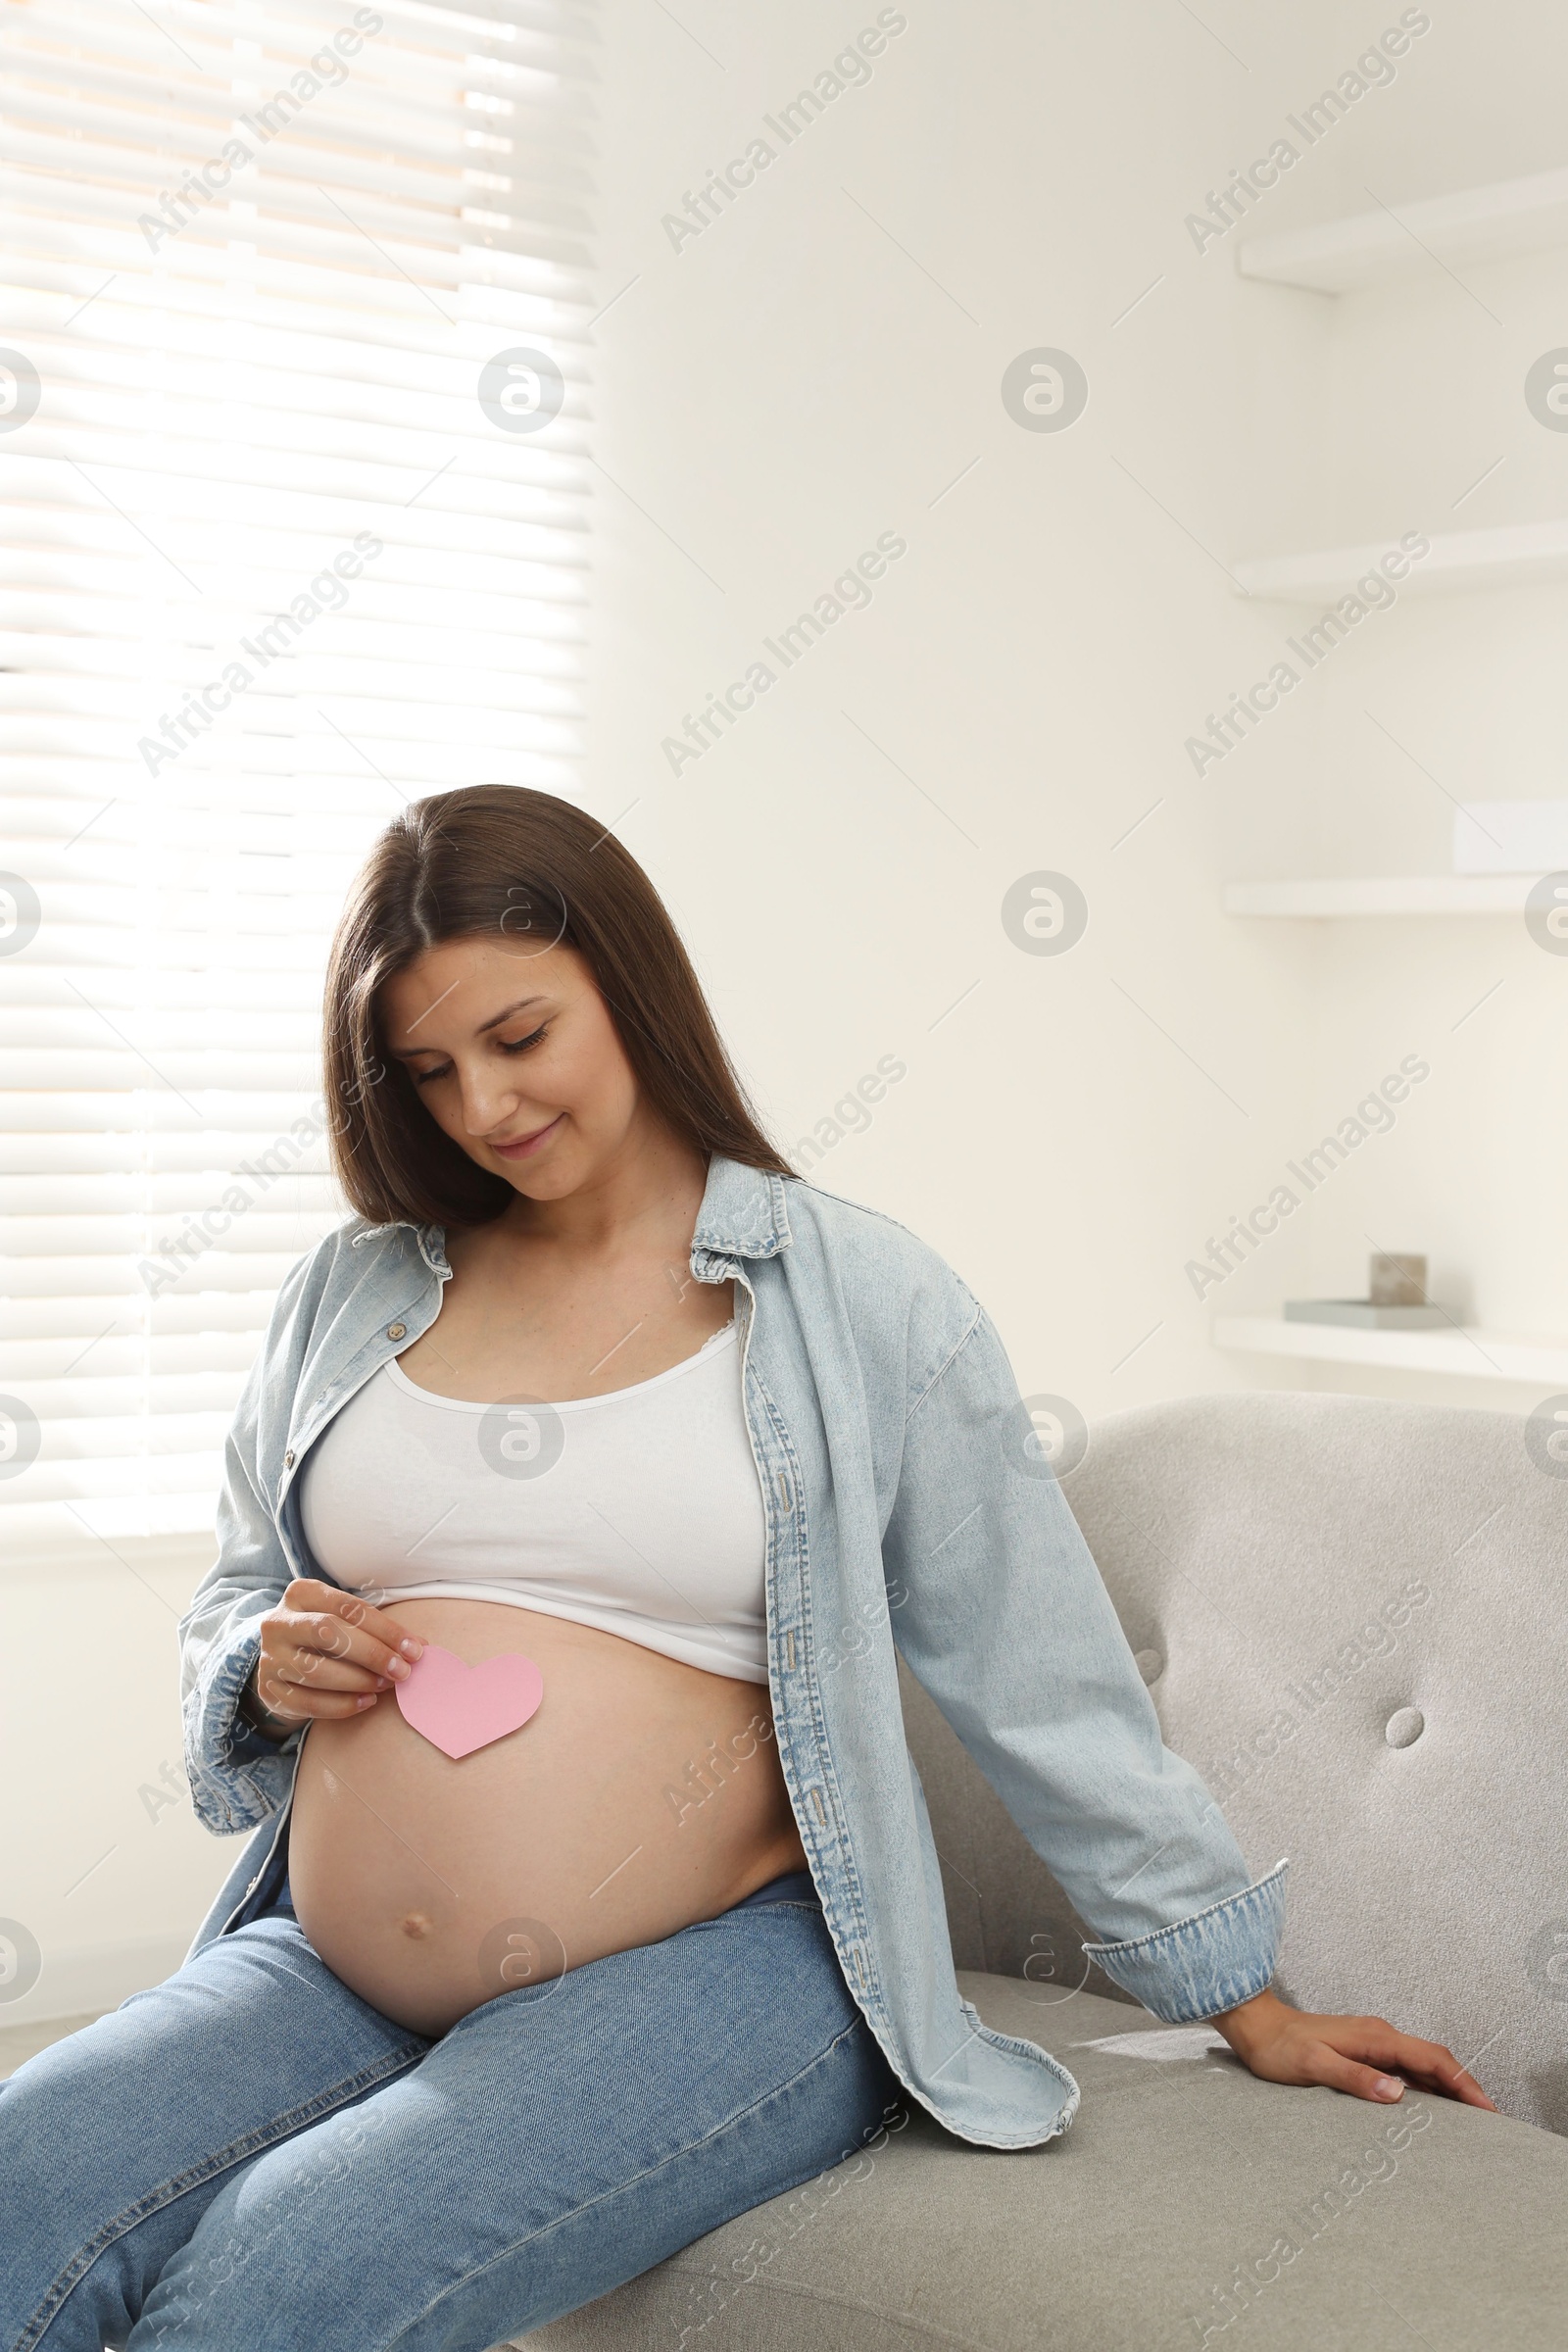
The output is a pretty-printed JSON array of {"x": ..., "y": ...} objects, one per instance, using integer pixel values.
[{"x": 249, "y": 2157}]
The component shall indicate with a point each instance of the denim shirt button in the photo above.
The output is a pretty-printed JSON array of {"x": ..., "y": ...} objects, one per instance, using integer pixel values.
[
  {"x": 288, "y": 1459},
  {"x": 397, "y": 1331}
]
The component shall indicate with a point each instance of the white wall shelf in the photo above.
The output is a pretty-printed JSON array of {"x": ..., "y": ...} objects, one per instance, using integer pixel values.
[
  {"x": 1514, "y": 554},
  {"x": 1515, "y": 215},
  {"x": 1384, "y": 894},
  {"x": 1473, "y": 1353}
]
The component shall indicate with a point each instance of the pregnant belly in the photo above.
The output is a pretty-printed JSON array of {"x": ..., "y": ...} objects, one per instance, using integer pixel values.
[{"x": 643, "y": 1795}]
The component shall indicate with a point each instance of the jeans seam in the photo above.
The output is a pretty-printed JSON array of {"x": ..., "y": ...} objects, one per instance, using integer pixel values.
[
  {"x": 780, "y": 1902},
  {"x": 621, "y": 2187},
  {"x": 251, "y": 2143},
  {"x": 476, "y": 2017}
]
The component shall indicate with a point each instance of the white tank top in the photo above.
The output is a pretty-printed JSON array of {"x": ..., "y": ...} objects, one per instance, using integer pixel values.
[{"x": 638, "y": 1512}]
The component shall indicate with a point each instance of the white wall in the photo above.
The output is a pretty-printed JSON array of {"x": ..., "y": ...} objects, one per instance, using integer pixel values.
[
  {"x": 789, "y": 382},
  {"x": 105, "y": 1861},
  {"x": 1425, "y": 396}
]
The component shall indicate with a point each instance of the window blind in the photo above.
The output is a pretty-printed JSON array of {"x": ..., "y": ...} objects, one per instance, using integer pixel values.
[{"x": 292, "y": 451}]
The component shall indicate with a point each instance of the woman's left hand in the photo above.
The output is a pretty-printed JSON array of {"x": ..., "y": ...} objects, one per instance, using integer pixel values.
[{"x": 1282, "y": 2044}]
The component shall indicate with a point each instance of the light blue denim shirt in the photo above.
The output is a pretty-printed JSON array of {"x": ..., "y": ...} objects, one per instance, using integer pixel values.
[{"x": 905, "y": 1498}]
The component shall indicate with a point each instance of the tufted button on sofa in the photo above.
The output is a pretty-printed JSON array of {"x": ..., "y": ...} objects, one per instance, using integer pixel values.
[{"x": 1352, "y": 1617}]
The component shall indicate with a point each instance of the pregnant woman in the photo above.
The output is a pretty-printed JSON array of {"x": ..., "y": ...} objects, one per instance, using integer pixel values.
[{"x": 588, "y": 1482}]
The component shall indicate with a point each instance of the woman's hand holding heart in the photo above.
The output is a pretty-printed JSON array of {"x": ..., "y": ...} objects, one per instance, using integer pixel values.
[{"x": 324, "y": 1652}]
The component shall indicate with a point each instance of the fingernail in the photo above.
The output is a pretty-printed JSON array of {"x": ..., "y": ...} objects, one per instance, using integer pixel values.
[
  {"x": 399, "y": 1667},
  {"x": 412, "y": 1649},
  {"x": 1388, "y": 2089},
  {"x": 368, "y": 1700}
]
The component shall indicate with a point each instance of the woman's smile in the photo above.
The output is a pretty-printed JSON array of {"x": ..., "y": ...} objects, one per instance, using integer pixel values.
[{"x": 522, "y": 1146}]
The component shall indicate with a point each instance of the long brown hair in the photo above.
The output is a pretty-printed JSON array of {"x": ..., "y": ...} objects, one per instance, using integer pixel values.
[{"x": 505, "y": 860}]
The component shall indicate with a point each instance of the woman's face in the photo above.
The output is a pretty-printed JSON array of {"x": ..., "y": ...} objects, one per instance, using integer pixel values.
[{"x": 516, "y": 1058}]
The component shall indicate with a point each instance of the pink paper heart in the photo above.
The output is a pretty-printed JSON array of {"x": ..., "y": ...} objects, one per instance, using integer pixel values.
[{"x": 459, "y": 1707}]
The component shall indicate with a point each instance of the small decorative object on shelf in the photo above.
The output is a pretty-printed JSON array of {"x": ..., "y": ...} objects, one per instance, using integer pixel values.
[
  {"x": 1394, "y": 1280},
  {"x": 1360, "y": 1314},
  {"x": 1398, "y": 1301}
]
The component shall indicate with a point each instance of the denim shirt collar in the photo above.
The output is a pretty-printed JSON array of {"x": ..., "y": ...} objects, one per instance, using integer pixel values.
[
  {"x": 742, "y": 1215},
  {"x": 431, "y": 1240}
]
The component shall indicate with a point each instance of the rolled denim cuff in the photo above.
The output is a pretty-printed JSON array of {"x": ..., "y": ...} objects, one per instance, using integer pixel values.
[
  {"x": 237, "y": 1777},
  {"x": 1207, "y": 1964}
]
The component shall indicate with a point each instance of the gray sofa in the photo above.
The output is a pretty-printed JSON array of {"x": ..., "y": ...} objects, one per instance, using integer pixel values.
[{"x": 1352, "y": 1617}]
